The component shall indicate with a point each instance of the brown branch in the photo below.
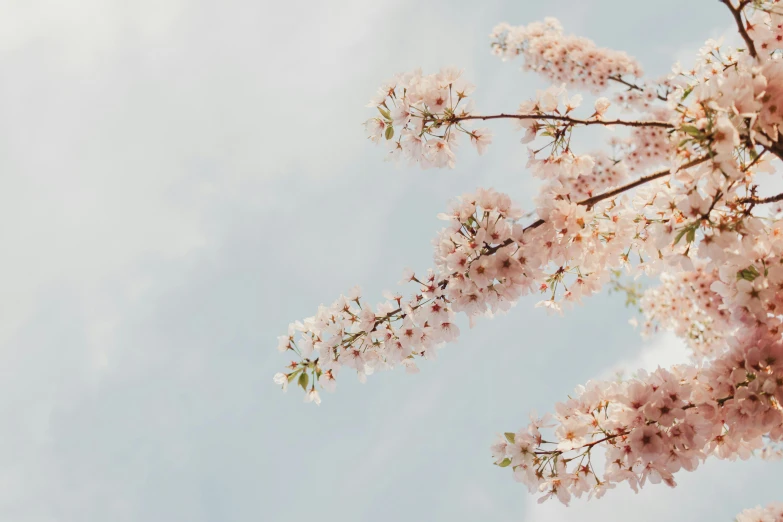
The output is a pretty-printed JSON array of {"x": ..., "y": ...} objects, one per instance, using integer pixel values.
[
  {"x": 641, "y": 181},
  {"x": 566, "y": 119},
  {"x": 737, "y": 13},
  {"x": 622, "y": 433},
  {"x": 632, "y": 86},
  {"x": 774, "y": 146},
  {"x": 755, "y": 200},
  {"x": 491, "y": 250},
  {"x": 589, "y": 202},
  {"x": 589, "y": 445}
]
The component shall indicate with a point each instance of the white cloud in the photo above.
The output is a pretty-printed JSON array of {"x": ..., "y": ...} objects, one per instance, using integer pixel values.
[{"x": 664, "y": 350}]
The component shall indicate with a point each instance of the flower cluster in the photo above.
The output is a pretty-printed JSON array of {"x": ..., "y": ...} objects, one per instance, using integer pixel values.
[
  {"x": 484, "y": 261},
  {"x": 686, "y": 304},
  {"x": 653, "y": 426},
  {"x": 351, "y": 333},
  {"x": 765, "y": 27},
  {"x": 607, "y": 172},
  {"x": 648, "y": 147},
  {"x": 569, "y": 59},
  {"x": 482, "y": 250},
  {"x": 771, "y": 513},
  {"x": 771, "y": 98},
  {"x": 422, "y": 116},
  {"x": 480, "y": 270}
]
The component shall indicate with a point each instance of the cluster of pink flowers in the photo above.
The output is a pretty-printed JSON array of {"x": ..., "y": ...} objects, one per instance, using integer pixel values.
[
  {"x": 480, "y": 269},
  {"x": 771, "y": 98},
  {"x": 606, "y": 173},
  {"x": 648, "y": 147},
  {"x": 421, "y": 117},
  {"x": 569, "y": 59},
  {"x": 686, "y": 304},
  {"x": 482, "y": 251},
  {"x": 771, "y": 513},
  {"x": 654, "y": 425},
  {"x": 485, "y": 260},
  {"x": 644, "y": 98},
  {"x": 353, "y": 334},
  {"x": 765, "y": 27},
  {"x": 676, "y": 198}
]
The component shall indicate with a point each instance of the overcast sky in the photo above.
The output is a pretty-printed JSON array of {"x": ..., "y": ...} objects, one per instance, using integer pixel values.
[{"x": 181, "y": 179}]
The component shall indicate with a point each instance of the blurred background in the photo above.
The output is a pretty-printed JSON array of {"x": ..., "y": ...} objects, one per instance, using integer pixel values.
[{"x": 182, "y": 179}]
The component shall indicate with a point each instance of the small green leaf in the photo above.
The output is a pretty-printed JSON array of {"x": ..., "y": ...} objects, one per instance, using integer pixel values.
[
  {"x": 749, "y": 274},
  {"x": 693, "y": 131},
  {"x": 304, "y": 380},
  {"x": 505, "y": 463},
  {"x": 509, "y": 437},
  {"x": 293, "y": 375},
  {"x": 389, "y": 132},
  {"x": 691, "y": 235},
  {"x": 679, "y": 235},
  {"x": 687, "y": 92},
  {"x": 385, "y": 113}
]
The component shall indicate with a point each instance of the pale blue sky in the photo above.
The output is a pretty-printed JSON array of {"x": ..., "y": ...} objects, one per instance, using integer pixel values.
[{"x": 183, "y": 179}]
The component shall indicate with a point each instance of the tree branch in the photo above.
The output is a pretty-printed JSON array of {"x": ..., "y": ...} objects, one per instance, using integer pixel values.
[
  {"x": 589, "y": 202},
  {"x": 632, "y": 86},
  {"x": 737, "y": 12},
  {"x": 755, "y": 200},
  {"x": 641, "y": 181},
  {"x": 491, "y": 250},
  {"x": 774, "y": 146},
  {"x": 567, "y": 119}
]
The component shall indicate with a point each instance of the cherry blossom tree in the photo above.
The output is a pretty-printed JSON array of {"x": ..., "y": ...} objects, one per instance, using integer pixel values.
[{"x": 676, "y": 195}]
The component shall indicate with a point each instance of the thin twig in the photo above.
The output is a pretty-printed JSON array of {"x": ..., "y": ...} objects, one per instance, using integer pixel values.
[
  {"x": 737, "y": 13},
  {"x": 566, "y": 119},
  {"x": 589, "y": 202},
  {"x": 633, "y": 86},
  {"x": 641, "y": 181},
  {"x": 755, "y": 200}
]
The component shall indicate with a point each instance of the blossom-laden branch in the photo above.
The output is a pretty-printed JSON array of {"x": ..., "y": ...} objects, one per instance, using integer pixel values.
[
  {"x": 485, "y": 261},
  {"x": 589, "y": 202},
  {"x": 674, "y": 195},
  {"x": 652, "y": 426},
  {"x": 572, "y": 60},
  {"x": 421, "y": 118}
]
